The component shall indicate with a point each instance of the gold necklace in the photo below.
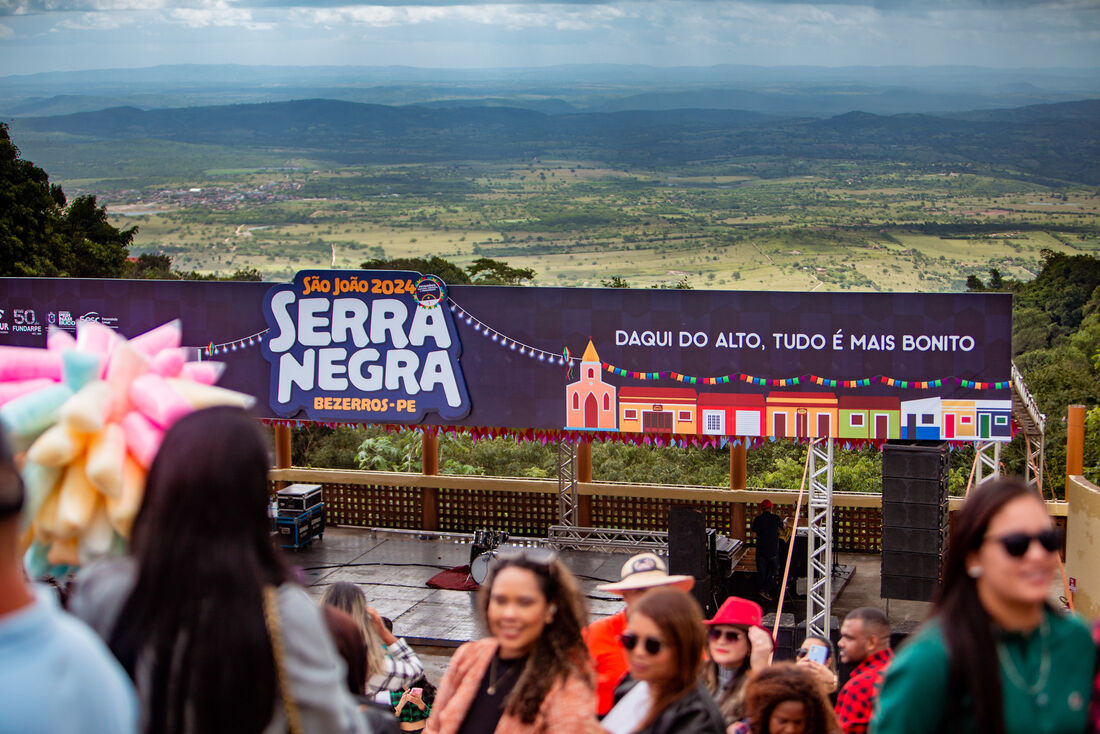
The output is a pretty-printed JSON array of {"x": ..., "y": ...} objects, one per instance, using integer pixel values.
[
  {"x": 493, "y": 679},
  {"x": 1037, "y": 688}
]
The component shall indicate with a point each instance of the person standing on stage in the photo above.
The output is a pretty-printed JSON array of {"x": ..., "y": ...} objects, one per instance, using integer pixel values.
[
  {"x": 766, "y": 526},
  {"x": 639, "y": 574},
  {"x": 864, "y": 642}
]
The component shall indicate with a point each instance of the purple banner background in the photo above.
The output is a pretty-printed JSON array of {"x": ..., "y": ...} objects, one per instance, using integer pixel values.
[{"x": 508, "y": 389}]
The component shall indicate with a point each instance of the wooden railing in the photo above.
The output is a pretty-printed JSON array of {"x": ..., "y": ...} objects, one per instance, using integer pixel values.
[{"x": 527, "y": 507}]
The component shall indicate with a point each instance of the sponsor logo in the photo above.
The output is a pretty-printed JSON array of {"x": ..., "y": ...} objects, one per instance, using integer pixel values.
[
  {"x": 65, "y": 320},
  {"x": 25, "y": 321},
  {"x": 5, "y": 327},
  {"x": 96, "y": 316}
]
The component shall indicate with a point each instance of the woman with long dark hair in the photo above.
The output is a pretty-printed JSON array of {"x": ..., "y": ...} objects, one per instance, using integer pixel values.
[
  {"x": 532, "y": 674},
  {"x": 664, "y": 642},
  {"x": 203, "y": 615},
  {"x": 995, "y": 656},
  {"x": 786, "y": 699}
]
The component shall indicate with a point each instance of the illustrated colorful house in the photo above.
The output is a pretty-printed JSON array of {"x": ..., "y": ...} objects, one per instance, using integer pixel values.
[
  {"x": 657, "y": 410},
  {"x": 726, "y": 414},
  {"x": 801, "y": 414},
  {"x": 959, "y": 419},
  {"x": 994, "y": 418},
  {"x": 590, "y": 402},
  {"x": 921, "y": 419},
  {"x": 869, "y": 417}
]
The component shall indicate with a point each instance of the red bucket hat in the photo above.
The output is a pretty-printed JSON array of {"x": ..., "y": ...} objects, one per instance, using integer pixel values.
[{"x": 738, "y": 611}]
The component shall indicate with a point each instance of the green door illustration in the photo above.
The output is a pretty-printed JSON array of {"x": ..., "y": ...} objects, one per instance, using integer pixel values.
[{"x": 983, "y": 426}]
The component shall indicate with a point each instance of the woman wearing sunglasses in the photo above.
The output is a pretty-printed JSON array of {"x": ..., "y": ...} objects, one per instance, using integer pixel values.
[
  {"x": 994, "y": 657},
  {"x": 737, "y": 646},
  {"x": 809, "y": 657},
  {"x": 664, "y": 641},
  {"x": 531, "y": 675}
]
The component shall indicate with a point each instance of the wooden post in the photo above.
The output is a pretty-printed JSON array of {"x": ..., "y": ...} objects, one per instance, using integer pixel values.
[
  {"x": 584, "y": 474},
  {"x": 429, "y": 462},
  {"x": 738, "y": 480},
  {"x": 1075, "y": 442},
  {"x": 282, "y": 451}
]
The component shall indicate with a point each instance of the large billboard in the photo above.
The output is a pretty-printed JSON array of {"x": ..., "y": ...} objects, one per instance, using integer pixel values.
[{"x": 396, "y": 347}]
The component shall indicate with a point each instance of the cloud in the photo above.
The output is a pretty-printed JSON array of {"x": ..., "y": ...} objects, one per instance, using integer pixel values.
[
  {"x": 513, "y": 16},
  {"x": 221, "y": 15},
  {"x": 6, "y": 33}
]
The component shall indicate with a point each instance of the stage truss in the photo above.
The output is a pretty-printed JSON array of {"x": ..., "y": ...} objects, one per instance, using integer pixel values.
[{"x": 819, "y": 545}]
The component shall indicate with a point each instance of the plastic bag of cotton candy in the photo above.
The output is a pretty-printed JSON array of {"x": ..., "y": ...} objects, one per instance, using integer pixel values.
[{"x": 88, "y": 415}]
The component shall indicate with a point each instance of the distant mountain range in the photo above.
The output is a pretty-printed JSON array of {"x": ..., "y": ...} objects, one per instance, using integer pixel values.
[
  {"x": 789, "y": 91},
  {"x": 1057, "y": 142}
]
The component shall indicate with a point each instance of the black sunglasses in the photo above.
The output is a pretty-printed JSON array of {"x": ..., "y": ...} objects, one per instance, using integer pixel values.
[
  {"x": 630, "y": 640},
  {"x": 532, "y": 554},
  {"x": 1017, "y": 544},
  {"x": 716, "y": 634}
]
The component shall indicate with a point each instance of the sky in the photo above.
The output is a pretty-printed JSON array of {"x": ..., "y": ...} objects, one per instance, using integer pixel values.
[{"x": 60, "y": 35}]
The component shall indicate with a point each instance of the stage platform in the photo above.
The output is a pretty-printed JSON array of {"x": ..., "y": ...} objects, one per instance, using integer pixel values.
[{"x": 393, "y": 567}]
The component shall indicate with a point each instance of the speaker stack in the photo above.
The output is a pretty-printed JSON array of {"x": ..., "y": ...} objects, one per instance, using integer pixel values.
[{"x": 914, "y": 518}]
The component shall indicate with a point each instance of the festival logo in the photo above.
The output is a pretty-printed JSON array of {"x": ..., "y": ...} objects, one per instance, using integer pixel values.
[{"x": 355, "y": 346}]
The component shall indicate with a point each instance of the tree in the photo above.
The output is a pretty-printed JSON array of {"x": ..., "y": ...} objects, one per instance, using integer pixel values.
[
  {"x": 40, "y": 237},
  {"x": 615, "y": 281},
  {"x": 450, "y": 273},
  {"x": 485, "y": 271}
]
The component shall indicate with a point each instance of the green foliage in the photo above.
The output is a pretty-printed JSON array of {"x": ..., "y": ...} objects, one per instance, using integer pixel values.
[
  {"x": 40, "y": 237},
  {"x": 485, "y": 271},
  {"x": 1092, "y": 447},
  {"x": 450, "y": 273},
  {"x": 615, "y": 281}
]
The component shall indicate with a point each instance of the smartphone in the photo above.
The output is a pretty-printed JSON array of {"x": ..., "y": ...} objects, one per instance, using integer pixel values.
[
  {"x": 819, "y": 654},
  {"x": 416, "y": 692}
]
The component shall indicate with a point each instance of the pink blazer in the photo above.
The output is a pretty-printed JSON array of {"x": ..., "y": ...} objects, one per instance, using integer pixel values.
[{"x": 569, "y": 706}]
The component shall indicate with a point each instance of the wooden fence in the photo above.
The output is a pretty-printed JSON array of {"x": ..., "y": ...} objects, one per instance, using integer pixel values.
[{"x": 527, "y": 507}]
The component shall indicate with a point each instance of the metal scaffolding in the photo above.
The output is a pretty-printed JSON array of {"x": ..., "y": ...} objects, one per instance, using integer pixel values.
[
  {"x": 819, "y": 546},
  {"x": 567, "y": 484},
  {"x": 989, "y": 461}
]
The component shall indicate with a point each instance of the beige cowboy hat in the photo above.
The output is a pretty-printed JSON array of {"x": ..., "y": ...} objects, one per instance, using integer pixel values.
[{"x": 645, "y": 571}]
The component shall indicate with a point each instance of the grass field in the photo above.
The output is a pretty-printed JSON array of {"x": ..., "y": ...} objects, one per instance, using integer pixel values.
[{"x": 576, "y": 223}]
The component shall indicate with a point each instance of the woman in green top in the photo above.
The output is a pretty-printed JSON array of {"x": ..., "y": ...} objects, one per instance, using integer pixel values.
[{"x": 994, "y": 657}]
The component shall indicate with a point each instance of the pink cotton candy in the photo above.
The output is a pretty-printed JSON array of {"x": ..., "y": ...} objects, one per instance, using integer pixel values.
[
  {"x": 168, "y": 362},
  {"x": 12, "y": 390},
  {"x": 142, "y": 438},
  {"x": 166, "y": 336},
  {"x": 59, "y": 340},
  {"x": 94, "y": 337},
  {"x": 125, "y": 367},
  {"x": 204, "y": 373},
  {"x": 157, "y": 401},
  {"x": 28, "y": 363}
]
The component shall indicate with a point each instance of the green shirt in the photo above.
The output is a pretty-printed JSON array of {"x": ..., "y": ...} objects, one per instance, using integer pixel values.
[{"x": 916, "y": 694}]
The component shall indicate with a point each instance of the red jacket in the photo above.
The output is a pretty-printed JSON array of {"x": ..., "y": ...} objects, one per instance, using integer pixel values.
[{"x": 608, "y": 657}]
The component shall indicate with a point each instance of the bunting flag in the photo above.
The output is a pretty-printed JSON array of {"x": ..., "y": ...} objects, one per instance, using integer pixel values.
[{"x": 244, "y": 342}]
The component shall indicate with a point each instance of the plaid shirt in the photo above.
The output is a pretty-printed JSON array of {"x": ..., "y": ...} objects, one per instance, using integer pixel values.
[
  {"x": 856, "y": 702},
  {"x": 402, "y": 668}
]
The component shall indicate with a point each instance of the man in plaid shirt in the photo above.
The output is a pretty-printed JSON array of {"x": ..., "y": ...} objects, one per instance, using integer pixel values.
[{"x": 864, "y": 639}]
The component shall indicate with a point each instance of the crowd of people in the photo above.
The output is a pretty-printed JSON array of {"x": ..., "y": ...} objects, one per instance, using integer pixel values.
[{"x": 202, "y": 628}]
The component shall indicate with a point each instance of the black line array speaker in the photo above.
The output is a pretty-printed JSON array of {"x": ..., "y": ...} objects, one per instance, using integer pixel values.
[
  {"x": 689, "y": 552},
  {"x": 914, "y": 518}
]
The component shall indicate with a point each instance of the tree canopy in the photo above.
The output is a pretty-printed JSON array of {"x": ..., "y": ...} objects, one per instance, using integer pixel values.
[{"x": 40, "y": 236}]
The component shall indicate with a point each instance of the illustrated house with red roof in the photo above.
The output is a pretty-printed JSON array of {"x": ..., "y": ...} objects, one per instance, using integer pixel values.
[
  {"x": 590, "y": 402},
  {"x": 657, "y": 410},
  {"x": 731, "y": 414},
  {"x": 801, "y": 414}
]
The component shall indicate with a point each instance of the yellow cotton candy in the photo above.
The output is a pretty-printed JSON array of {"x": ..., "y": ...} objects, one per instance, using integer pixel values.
[
  {"x": 207, "y": 396},
  {"x": 96, "y": 540},
  {"x": 106, "y": 457},
  {"x": 57, "y": 446},
  {"x": 86, "y": 411},
  {"x": 46, "y": 527},
  {"x": 121, "y": 510},
  {"x": 76, "y": 501},
  {"x": 64, "y": 552}
]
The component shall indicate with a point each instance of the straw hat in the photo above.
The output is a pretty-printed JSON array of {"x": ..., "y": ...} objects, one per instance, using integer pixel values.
[{"x": 645, "y": 571}]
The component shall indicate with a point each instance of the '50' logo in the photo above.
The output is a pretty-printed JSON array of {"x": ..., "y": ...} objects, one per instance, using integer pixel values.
[{"x": 24, "y": 317}]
